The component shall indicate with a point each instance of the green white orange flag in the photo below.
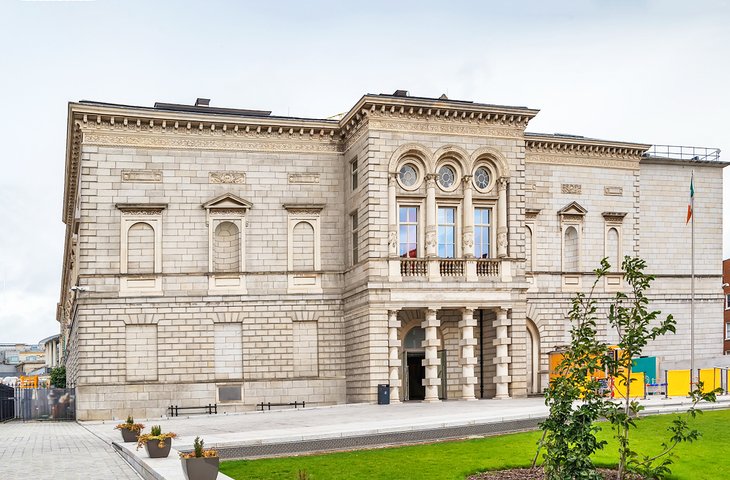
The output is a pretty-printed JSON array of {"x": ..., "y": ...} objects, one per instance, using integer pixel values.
[{"x": 691, "y": 205}]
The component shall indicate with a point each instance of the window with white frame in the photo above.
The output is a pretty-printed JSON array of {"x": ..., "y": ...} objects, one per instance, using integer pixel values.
[
  {"x": 727, "y": 331},
  {"x": 482, "y": 232},
  {"x": 727, "y": 302},
  {"x": 447, "y": 232},
  {"x": 353, "y": 174},
  {"x": 408, "y": 231},
  {"x": 354, "y": 237}
]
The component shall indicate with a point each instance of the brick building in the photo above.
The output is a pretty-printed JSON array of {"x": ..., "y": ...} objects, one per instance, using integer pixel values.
[{"x": 232, "y": 256}]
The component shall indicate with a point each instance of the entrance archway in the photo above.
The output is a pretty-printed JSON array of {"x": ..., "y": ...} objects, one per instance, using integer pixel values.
[{"x": 413, "y": 370}]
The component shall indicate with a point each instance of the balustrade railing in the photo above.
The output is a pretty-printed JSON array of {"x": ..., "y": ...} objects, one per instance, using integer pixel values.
[
  {"x": 413, "y": 267},
  {"x": 451, "y": 267},
  {"x": 487, "y": 268}
]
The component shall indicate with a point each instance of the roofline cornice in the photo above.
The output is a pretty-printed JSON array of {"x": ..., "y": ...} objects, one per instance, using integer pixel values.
[
  {"x": 578, "y": 145},
  {"x": 447, "y": 110},
  {"x": 79, "y": 110}
]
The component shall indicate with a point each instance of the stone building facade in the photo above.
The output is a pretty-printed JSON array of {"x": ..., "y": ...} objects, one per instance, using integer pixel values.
[{"x": 230, "y": 256}]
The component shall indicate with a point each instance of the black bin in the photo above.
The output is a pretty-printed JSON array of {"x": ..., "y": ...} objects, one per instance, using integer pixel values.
[{"x": 383, "y": 394}]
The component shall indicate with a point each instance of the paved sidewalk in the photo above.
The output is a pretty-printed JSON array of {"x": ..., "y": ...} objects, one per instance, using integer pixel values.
[
  {"x": 338, "y": 423},
  {"x": 58, "y": 451}
]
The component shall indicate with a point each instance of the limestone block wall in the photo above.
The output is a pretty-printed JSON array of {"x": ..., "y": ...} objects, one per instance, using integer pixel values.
[
  {"x": 267, "y": 180},
  {"x": 664, "y": 199},
  {"x": 597, "y": 190},
  {"x": 184, "y": 352}
]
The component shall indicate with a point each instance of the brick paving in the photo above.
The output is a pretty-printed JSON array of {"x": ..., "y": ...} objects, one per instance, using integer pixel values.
[{"x": 58, "y": 450}]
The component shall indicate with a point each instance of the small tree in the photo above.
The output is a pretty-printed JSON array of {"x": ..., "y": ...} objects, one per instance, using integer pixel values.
[
  {"x": 630, "y": 316},
  {"x": 58, "y": 377},
  {"x": 569, "y": 432}
]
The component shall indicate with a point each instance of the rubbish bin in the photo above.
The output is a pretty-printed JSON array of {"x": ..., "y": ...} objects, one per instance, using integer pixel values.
[{"x": 383, "y": 394}]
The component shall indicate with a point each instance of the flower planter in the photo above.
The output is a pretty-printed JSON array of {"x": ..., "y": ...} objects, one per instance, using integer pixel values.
[
  {"x": 154, "y": 450},
  {"x": 129, "y": 435},
  {"x": 201, "y": 468}
]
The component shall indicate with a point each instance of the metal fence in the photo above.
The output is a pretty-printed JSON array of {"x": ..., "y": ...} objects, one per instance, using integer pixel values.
[
  {"x": 45, "y": 404},
  {"x": 7, "y": 403}
]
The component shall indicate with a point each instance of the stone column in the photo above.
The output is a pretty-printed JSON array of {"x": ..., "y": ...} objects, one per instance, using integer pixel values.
[
  {"x": 502, "y": 239},
  {"x": 467, "y": 237},
  {"x": 502, "y": 359},
  {"x": 431, "y": 215},
  {"x": 392, "y": 217},
  {"x": 393, "y": 261},
  {"x": 431, "y": 362},
  {"x": 467, "y": 360},
  {"x": 394, "y": 361}
]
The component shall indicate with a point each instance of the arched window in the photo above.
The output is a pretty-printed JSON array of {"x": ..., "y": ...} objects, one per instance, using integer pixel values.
[
  {"x": 226, "y": 248},
  {"x": 303, "y": 246},
  {"x": 571, "y": 256},
  {"x": 533, "y": 358},
  {"x": 528, "y": 249},
  {"x": 612, "y": 249},
  {"x": 414, "y": 338},
  {"x": 141, "y": 249}
]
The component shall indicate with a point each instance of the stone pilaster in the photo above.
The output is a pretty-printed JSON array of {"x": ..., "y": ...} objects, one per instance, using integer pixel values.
[
  {"x": 394, "y": 361},
  {"x": 467, "y": 360},
  {"x": 502, "y": 359},
  {"x": 502, "y": 239},
  {"x": 467, "y": 240},
  {"x": 431, "y": 362},
  {"x": 431, "y": 215}
]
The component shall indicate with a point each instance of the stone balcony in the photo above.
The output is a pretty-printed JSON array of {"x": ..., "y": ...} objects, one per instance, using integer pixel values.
[{"x": 435, "y": 269}]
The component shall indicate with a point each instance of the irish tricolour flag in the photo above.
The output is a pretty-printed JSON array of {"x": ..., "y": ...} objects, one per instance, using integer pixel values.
[{"x": 691, "y": 205}]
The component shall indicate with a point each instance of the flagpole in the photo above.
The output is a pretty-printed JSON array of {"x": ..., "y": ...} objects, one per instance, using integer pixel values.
[{"x": 692, "y": 296}]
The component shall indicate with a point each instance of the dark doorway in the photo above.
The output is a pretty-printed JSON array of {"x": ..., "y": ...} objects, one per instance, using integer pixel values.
[{"x": 416, "y": 374}]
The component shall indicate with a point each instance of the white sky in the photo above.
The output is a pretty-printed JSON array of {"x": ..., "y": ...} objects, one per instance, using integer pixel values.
[{"x": 647, "y": 71}]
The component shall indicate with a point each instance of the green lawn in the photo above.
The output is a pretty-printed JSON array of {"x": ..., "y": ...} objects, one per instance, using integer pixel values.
[{"x": 707, "y": 459}]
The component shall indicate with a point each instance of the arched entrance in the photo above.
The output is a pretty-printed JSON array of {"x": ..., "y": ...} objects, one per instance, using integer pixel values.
[
  {"x": 413, "y": 370},
  {"x": 533, "y": 359}
]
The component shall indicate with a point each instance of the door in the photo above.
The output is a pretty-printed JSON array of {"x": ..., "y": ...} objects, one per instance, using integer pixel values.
[{"x": 416, "y": 372}]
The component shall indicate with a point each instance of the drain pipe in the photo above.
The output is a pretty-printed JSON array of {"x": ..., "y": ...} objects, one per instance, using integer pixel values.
[{"x": 481, "y": 353}]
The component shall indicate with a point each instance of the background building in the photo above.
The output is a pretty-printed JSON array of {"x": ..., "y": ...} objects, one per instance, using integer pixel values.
[
  {"x": 726, "y": 313},
  {"x": 231, "y": 256}
]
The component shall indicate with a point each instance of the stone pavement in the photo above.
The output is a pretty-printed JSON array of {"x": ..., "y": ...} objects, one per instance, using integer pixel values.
[{"x": 58, "y": 451}]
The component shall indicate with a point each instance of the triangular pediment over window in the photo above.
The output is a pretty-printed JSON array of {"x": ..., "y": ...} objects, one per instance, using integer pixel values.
[
  {"x": 227, "y": 201},
  {"x": 573, "y": 208}
]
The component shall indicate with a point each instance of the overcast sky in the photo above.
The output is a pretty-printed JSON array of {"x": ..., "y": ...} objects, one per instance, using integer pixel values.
[{"x": 648, "y": 71}]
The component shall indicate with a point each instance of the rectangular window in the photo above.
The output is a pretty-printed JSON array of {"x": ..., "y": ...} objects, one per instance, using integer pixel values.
[
  {"x": 446, "y": 232},
  {"x": 727, "y": 331},
  {"x": 355, "y": 240},
  {"x": 482, "y": 234},
  {"x": 727, "y": 302},
  {"x": 353, "y": 166},
  {"x": 408, "y": 232}
]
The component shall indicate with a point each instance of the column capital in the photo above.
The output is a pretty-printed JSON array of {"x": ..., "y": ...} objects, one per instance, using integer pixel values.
[
  {"x": 502, "y": 183},
  {"x": 431, "y": 180},
  {"x": 467, "y": 311},
  {"x": 392, "y": 179},
  {"x": 466, "y": 182}
]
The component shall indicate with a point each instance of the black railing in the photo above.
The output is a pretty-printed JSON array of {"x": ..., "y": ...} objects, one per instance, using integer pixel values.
[
  {"x": 210, "y": 409},
  {"x": 7, "y": 403}
]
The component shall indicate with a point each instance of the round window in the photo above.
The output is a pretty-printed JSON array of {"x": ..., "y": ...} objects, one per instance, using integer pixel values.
[
  {"x": 447, "y": 176},
  {"x": 481, "y": 178},
  {"x": 408, "y": 175}
]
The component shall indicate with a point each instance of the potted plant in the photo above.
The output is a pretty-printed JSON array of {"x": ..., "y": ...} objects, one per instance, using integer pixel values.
[
  {"x": 158, "y": 444},
  {"x": 130, "y": 430},
  {"x": 200, "y": 464}
]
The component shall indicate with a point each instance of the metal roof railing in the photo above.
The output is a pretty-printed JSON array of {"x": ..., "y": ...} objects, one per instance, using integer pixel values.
[{"x": 681, "y": 152}]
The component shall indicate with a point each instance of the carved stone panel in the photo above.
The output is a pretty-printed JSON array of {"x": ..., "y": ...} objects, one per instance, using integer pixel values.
[
  {"x": 142, "y": 176},
  {"x": 613, "y": 191},
  {"x": 236, "y": 178},
  {"x": 304, "y": 178},
  {"x": 571, "y": 188}
]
